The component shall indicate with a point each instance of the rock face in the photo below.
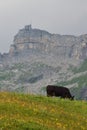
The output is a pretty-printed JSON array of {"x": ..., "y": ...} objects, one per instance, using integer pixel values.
[
  {"x": 61, "y": 45},
  {"x": 29, "y": 40},
  {"x": 42, "y": 58}
]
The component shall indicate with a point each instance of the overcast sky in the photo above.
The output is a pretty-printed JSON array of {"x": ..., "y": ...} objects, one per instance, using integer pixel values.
[{"x": 55, "y": 16}]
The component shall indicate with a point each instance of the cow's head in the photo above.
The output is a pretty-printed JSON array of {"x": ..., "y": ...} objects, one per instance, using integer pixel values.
[{"x": 72, "y": 98}]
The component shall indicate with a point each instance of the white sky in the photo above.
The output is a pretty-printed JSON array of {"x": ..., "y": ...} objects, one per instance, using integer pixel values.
[{"x": 55, "y": 16}]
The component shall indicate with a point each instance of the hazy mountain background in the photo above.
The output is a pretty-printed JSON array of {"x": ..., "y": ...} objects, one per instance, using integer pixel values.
[
  {"x": 37, "y": 58},
  {"x": 57, "y": 16}
]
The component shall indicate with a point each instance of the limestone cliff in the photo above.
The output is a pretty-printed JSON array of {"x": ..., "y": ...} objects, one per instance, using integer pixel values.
[
  {"x": 30, "y": 43},
  {"x": 43, "y": 58},
  {"x": 39, "y": 40}
]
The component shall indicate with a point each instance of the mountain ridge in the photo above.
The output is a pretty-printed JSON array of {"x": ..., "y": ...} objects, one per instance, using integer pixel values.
[
  {"x": 29, "y": 40},
  {"x": 37, "y": 58}
]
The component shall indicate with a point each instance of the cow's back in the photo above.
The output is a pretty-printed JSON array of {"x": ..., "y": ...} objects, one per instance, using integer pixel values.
[{"x": 62, "y": 91}]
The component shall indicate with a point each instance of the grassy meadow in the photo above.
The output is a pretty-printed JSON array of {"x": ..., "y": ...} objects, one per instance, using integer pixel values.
[{"x": 35, "y": 112}]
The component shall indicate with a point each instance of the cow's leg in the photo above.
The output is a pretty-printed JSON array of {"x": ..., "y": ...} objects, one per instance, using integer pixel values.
[
  {"x": 48, "y": 95},
  {"x": 64, "y": 96}
]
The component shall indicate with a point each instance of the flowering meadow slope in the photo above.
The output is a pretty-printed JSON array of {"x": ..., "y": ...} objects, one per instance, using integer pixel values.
[{"x": 35, "y": 112}]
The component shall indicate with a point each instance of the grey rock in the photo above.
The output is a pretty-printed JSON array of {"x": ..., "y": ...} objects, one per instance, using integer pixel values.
[{"x": 37, "y": 58}]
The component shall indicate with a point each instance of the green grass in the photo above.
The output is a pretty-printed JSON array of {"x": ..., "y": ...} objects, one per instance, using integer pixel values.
[{"x": 30, "y": 112}]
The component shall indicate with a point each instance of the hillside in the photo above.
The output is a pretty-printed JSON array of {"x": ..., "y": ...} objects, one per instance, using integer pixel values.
[
  {"x": 78, "y": 81},
  {"x": 37, "y": 58},
  {"x": 33, "y": 78},
  {"x": 30, "y": 112}
]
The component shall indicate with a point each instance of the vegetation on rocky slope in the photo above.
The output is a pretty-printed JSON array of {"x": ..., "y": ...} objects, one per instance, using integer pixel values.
[{"x": 24, "y": 76}]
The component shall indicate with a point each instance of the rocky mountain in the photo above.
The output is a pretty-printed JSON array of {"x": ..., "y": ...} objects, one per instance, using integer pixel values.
[
  {"x": 37, "y": 58},
  {"x": 29, "y": 40}
]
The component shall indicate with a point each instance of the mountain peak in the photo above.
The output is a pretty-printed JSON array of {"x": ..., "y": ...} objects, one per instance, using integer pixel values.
[{"x": 32, "y": 41}]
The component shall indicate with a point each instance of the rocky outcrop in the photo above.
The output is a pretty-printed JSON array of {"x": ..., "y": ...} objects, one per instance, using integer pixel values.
[
  {"x": 29, "y": 38},
  {"x": 42, "y": 58},
  {"x": 61, "y": 45},
  {"x": 29, "y": 41}
]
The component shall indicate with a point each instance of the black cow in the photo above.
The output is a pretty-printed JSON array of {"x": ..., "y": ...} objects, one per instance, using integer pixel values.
[{"x": 59, "y": 91}]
